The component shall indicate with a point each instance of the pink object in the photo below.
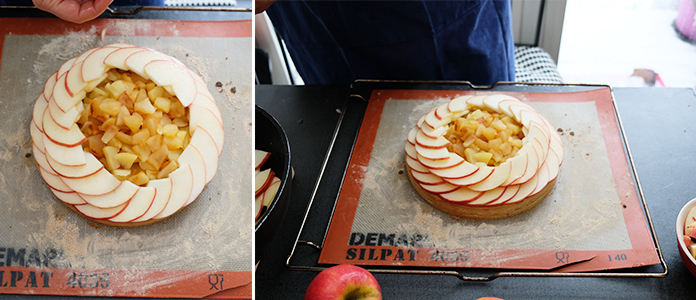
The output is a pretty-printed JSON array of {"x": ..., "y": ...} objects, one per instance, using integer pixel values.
[{"x": 686, "y": 19}]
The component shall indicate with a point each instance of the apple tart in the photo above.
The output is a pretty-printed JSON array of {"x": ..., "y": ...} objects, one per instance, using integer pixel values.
[
  {"x": 483, "y": 157},
  {"x": 126, "y": 136}
]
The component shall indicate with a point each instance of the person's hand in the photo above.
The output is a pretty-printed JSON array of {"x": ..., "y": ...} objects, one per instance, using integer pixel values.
[
  {"x": 76, "y": 11},
  {"x": 261, "y": 5}
]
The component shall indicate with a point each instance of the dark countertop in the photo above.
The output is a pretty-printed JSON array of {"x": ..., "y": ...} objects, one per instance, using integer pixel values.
[{"x": 659, "y": 133}]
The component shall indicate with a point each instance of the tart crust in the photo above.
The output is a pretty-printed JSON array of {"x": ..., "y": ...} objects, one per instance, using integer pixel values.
[{"x": 452, "y": 184}]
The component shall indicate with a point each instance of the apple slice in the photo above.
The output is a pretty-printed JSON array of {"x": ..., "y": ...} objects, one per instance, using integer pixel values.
[
  {"x": 411, "y": 137},
  {"x": 93, "y": 66},
  {"x": 71, "y": 198},
  {"x": 137, "y": 206},
  {"x": 433, "y": 133},
  {"x": 39, "y": 107},
  {"x": 527, "y": 118},
  {"x": 40, "y": 158},
  {"x": 540, "y": 134},
  {"x": 510, "y": 192},
  {"x": 68, "y": 138},
  {"x": 452, "y": 161},
  {"x": 95, "y": 82},
  {"x": 500, "y": 174},
  {"x": 439, "y": 188},
  {"x": 124, "y": 192},
  {"x": 480, "y": 175},
  {"x": 80, "y": 58},
  {"x": 543, "y": 178},
  {"x": 48, "y": 86},
  {"x": 458, "y": 172},
  {"x": 517, "y": 169},
  {"x": 432, "y": 143},
  {"x": 459, "y": 104},
  {"x": 539, "y": 150},
  {"x": 262, "y": 180},
  {"x": 164, "y": 191},
  {"x": 117, "y": 59},
  {"x": 206, "y": 147},
  {"x": 411, "y": 151},
  {"x": 416, "y": 166},
  {"x": 137, "y": 60},
  {"x": 434, "y": 122},
  {"x": 202, "y": 117},
  {"x": 37, "y": 136},
  {"x": 64, "y": 119},
  {"x": 526, "y": 190},
  {"x": 488, "y": 197},
  {"x": 63, "y": 99},
  {"x": 73, "y": 80},
  {"x": 100, "y": 183},
  {"x": 426, "y": 178},
  {"x": 476, "y": 101},
  {"x": 270, "y": 193},
  {"x": 556, "y": 145},
  {"x": 168, "y": 73},
  {"x": 182, "y": 184},
  {"x": 192, "y": 157},
  {"x": 206, "y": 100},
  {"x": 258, "y": 205},
  {"x": 100, "y": 213},
  {"x": 92, "y": 166},
  {"x": 442, "y": 111},
  {"x": 260, "y": 157},
  {"x": 53, "y": 181},
  {"x": 492, "y": 102},
  {"x": 532, "y": 164},
  {"x": 519, "y": 108},
  {"x": 69, "y": 156},
  {"x": 432, "y": 154},
  {"x": 65, "y": 66},
  {"x": 421, "y": 120},
  {"x": 512, "y": 107},
  {"x": 553, "y": 164},
  {"x": 461, "y": 195}
]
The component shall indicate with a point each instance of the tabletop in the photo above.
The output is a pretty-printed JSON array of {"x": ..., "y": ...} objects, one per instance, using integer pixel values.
[{"x": 659, "y": 135}]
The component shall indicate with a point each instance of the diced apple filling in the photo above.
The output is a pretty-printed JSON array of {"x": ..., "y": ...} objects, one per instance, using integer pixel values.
[
  {"x": 483, "y": 137},
  {"x": 134, "y": 127}
]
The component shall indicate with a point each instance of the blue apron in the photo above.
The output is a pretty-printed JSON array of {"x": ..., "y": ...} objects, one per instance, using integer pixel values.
[{"x": 336, "y": 42}]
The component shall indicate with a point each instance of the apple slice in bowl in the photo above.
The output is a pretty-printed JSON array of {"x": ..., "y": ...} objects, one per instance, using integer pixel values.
[{"x": 270, "y": 137}]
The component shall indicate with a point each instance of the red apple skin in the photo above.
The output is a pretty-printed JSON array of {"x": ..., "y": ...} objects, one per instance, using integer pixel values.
[
  {"x": 490, "y": 298},
  {"x": 347, "y": 282}
]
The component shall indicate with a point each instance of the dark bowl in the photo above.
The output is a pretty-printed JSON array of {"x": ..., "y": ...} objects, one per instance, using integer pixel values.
[{"x": 270, "y": 137}]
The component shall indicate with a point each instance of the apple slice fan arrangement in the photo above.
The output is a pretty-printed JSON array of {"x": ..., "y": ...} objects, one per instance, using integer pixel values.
[
  {"x": 126, "y": 136},
  {"x": 483, "y": 157}
]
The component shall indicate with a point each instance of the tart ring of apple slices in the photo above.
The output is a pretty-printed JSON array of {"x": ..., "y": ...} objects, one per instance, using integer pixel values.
[
  {"x": 483, "y": 157},
  {"x": 126, "y": 136}
]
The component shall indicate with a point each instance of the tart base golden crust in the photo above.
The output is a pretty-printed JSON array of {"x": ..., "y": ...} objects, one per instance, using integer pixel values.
[{"x": 481, "y": 212}]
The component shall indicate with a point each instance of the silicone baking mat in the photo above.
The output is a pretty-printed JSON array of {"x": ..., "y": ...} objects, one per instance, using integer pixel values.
[
  {"x": 591, "y": 221},
  {"x": 205, "y": 250}
]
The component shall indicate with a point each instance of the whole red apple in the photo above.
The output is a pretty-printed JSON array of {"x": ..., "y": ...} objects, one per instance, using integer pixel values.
[{"x": 345, "y": 282}]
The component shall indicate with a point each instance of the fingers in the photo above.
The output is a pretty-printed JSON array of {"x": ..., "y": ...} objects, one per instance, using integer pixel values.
[{"x": 75, "y": 11}]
